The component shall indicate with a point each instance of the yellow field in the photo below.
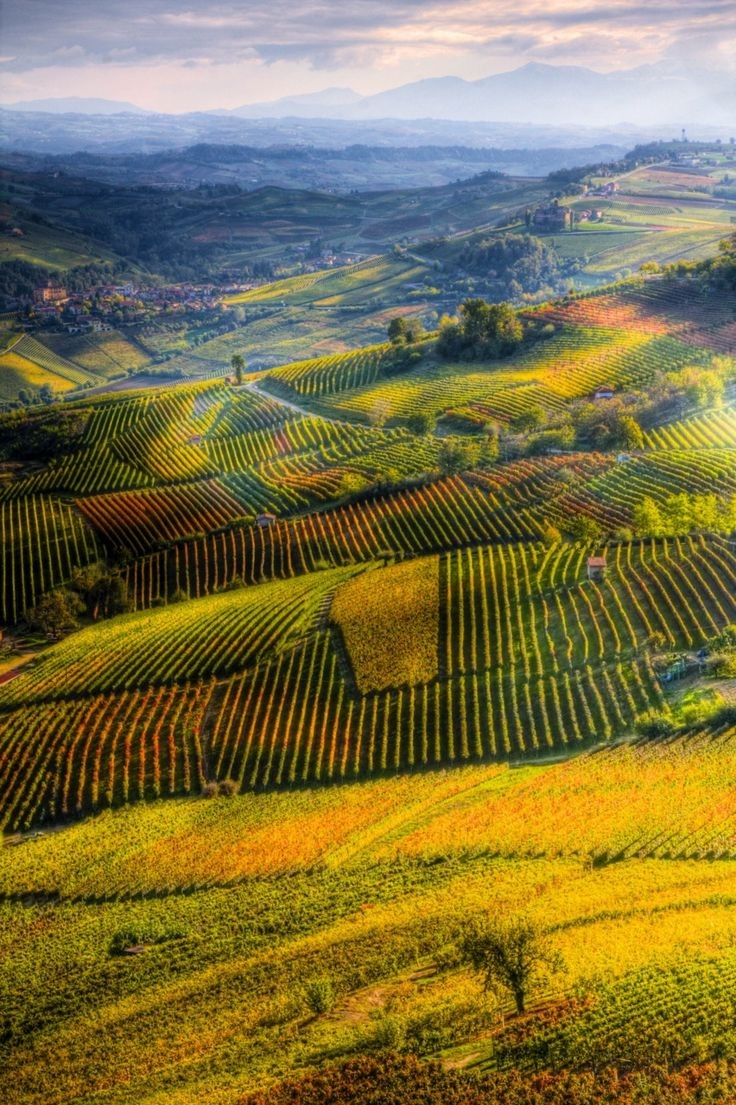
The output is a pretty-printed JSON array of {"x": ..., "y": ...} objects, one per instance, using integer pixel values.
[
  {"x": 18, "y": 372},
  {"x": 390, "y": 624}
]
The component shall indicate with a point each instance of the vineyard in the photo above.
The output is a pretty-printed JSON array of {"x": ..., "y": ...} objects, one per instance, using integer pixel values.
[
  {"x": 510, "y": 651},
  {"x": 647, "y": 942},
  {"x": 41, "y": 542},
  {"x": 368, "y": 705},
  {"x": 294, "y": 552}
]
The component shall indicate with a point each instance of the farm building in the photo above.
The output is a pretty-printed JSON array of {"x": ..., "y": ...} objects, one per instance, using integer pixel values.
[
  {"x": 596, "y": 567},
  {"x": 552, "y": 216},
  {"x": 605, "y": 391},
  {"x": 264, "y": 520}
]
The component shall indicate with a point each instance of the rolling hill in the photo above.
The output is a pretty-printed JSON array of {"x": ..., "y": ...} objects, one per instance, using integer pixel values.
[{"x": 310, "y": 679}]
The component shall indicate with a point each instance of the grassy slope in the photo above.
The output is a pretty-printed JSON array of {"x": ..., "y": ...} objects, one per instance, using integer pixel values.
[
  {"x": 382, "y": 875},
  {"x": 51, "y": 248}
]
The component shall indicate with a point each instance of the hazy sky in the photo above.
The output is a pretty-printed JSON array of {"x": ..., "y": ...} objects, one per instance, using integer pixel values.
[{"x": 178, "y": 55}]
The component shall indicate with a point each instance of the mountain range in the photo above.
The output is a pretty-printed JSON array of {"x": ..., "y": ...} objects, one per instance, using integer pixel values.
[
  {"x": 533, "y": 93},
  {"x": 78, "y": 105}
]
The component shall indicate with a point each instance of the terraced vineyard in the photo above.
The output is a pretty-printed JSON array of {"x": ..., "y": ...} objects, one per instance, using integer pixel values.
[
  {"x": 29, "y": 364},
  {"x": 284, "y": 523},
  {"x": 187, "y": 641},
  {"x": 41, "y": 541},
  {"x": 567, "y": 366},
  {"x": 714, "y": 430}
]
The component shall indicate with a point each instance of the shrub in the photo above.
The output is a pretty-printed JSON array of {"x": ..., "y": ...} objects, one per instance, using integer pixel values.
[
  {"x": 654, "y": 724},
  {"x": 319, "y": 995}
]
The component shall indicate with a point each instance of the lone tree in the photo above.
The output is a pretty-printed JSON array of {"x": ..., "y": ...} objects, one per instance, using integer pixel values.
[
  {"x": 55, "y": 613},
  {"x": 238, "y": 363},
  {"x": 510, "y": 955}
]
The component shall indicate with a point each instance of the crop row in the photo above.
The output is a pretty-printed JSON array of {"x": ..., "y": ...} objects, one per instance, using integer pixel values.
[
  {"x": 509, "y": 607},
  {"x": 91, "y": 471},
  {"x": 187, "y": 640},
  {"x": 713, "y": 430},
  {"x": 34, "y": 351},
  {"x": 440, "y": 515},
  {"x": 239, "y": 451},
  {"x": 41, "y": 542},
  {"x": 326, "y": 375},
  {"x": 248, "y": 411},
  {"x": 677, "y": 806},
  {"x": 663, "y": 473},
  {"x": 136, "y": 520},
  {"x": 291, "y": 720},
  {"x": 107, "y": 750}
]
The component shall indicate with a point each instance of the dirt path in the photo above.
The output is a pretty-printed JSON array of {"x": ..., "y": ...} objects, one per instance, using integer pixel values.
[{"x": 253, "y": 386}]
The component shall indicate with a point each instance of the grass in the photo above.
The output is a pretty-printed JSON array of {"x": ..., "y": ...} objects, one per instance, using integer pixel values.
[{"x": 214, "y": 1004}]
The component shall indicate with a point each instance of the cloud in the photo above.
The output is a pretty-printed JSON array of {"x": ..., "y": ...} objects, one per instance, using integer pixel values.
[
  {"x": 45, "y": 32},
  {"x": 373, "y": 43}
]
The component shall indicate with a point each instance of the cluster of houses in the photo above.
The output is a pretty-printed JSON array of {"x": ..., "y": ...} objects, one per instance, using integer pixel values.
[
  {"x": 608, "y": 188},
  {"x": 96, "y": 309},
  {"x": 326, "y": 259},
  {"x": 590, "y": 215}
]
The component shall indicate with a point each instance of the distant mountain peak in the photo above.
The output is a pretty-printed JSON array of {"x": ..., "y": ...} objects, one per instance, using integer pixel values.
[{"x": 79, "y": 105}]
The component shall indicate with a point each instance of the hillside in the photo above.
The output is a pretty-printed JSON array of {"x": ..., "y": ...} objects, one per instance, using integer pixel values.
[
  {"x": 206, "y": 229},
  {"x": 657, "y": 214},
  {"x": 238, "y": 910},
  {"x": 60, "y": 363},
  {"x": 194, "y": 490},
  {"x": 304, "y": 675}
]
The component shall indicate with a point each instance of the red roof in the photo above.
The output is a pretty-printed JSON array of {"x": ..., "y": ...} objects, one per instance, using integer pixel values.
[{"x": 597, "y": 561}]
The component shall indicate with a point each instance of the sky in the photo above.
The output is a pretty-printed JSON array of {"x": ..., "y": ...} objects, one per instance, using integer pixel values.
[{"x": 178, "y": 55}]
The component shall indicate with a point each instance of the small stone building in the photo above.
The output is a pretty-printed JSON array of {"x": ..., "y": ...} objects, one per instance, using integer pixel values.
[{"x": 597, "y": 567}]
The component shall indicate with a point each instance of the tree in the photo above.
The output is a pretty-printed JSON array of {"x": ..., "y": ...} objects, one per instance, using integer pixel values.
[
  {"x": 238, "y": 364},
  {"x": 582, "y": 527},
  {"x": 646, "y": 518},
  {"x": 421, "y": 423},
  {"x": 55, "y": 613},
  {"x": 456, "y": 456},
  {"x": 533, "y": 418},
  {"x": 101, "y": 589},
  {"x": 510, "y": 954},
  {"x": 397, "y": 330},
  {"x": 631, "y": 432},
  {"x": 655, "y": 724},
  {"x": 483, "y": 329},
  {"x": 489, "y": 450}
]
